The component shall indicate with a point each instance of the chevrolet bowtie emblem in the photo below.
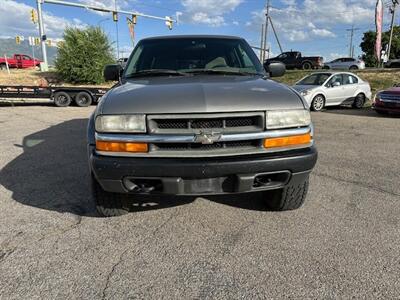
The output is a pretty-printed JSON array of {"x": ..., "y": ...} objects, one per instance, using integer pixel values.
[{"x": 207, "y": 138}]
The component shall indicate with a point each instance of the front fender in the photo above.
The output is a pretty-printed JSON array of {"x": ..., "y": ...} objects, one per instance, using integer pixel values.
[{"x": 90, "y": 134}]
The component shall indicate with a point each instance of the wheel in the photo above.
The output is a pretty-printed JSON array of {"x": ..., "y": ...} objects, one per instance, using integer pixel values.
[
  {"x": 62, "y": 99},
  {"x": 109, "y": 204},
  {"x": 290, "y": 197},
  {"x": 3, "y": 67},
  {"x": 326, "y": 68},
  {"x": 359, "y": 101},
  {"x": 307, "y": 66},
  {"x": 353, "y": 68},
  {"x": 318, "y": 103},
  {"x": 83, "y": 99}
]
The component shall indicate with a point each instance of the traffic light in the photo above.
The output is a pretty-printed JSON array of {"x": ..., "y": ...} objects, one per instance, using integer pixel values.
[
  {"x": 115, "y": 16},
  {"x": 18, "y": 40},
  {"x": 37, "y": 41},
  {"x": 48, "y": 43},
  {"x": 33, "y": 16},
  {"x": 169, "y": 22}
]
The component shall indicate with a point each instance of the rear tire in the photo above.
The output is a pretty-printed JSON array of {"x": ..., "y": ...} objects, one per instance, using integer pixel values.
[
  {"x": 359, "y": 101},
  {"x": 289, "y": 198},
  {"x": 83, "y": 99},
  {"x": 318, "y": 103},
  {"x": 108, "y": 204},
  {"x": 306, "y": 66},
  {"x": 353, "y": 68},
  {"x": 62, "y": 99}
]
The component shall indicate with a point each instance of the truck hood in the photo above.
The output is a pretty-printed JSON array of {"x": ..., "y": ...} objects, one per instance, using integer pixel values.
[{"x": 199, "y": 94}]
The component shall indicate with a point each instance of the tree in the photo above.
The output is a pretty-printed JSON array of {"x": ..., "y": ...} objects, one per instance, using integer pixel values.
[
  {"x": 368, "y": 45},
  {"x": 83, "y": 54}
]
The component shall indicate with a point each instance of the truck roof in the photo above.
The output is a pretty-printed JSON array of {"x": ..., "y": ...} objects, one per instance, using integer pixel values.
[{"x": 166, "y": 37}]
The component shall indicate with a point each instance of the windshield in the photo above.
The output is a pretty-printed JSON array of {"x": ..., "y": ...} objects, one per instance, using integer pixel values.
[
  {"x": 193, "y": 55},
  {"x": 314, "y": 79}
]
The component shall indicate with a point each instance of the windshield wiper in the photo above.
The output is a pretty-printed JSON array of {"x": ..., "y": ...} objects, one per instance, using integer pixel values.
[
  {"x": 224, "y": 72},
  {"x": 155, "y": 72}
]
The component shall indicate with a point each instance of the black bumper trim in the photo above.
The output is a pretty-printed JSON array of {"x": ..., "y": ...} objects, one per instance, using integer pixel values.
[{"x": 110, "y": 171}]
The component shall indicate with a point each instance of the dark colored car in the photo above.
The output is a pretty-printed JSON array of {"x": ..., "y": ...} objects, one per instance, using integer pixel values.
[
  {"x": 295, "y": 60},
  {"x": 387, "y": 101},
  {"x": 198, "y": 115}
]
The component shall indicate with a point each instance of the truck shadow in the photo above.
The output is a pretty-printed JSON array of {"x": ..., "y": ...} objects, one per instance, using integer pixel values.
[{"x": 52, "y": 174}]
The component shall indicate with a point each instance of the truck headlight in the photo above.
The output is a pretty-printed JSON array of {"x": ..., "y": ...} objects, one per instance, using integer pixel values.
[
  {"x": 121, "y": 123},
  {"x": 288, "y": 118}
]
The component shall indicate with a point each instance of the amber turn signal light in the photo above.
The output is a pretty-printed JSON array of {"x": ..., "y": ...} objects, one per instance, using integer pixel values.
[
  {"x": 121, "y": 147},
  {"x": 288, "y": 141}
]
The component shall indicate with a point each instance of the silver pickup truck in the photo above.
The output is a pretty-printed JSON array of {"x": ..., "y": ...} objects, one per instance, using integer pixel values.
[{"x": 198, "y": 115}]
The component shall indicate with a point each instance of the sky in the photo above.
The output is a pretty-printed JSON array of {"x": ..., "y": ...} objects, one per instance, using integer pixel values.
[{"x": 310, "y": 26}]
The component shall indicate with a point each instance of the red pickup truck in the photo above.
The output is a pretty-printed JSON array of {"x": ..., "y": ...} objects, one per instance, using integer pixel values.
[{"x": 20, "y": 61}]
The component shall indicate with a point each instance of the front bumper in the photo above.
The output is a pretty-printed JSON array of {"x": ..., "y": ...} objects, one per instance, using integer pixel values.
[
  {"x": 387, "y": 108},
  {"x": 202, "y": 176}
]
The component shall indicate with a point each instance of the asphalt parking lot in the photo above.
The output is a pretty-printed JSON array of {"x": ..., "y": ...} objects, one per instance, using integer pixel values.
[{"x": 343, "y": 243}]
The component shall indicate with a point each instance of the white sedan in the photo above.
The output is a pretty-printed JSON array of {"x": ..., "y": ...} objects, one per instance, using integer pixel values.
[{"x": 333, "y": 88}]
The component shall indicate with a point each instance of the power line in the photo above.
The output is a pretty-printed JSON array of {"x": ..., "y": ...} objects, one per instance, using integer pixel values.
[{"x": 351, "y": 49}]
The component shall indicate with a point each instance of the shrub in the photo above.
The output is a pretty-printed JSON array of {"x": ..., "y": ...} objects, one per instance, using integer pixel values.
[{"x": 83, "y": 54}]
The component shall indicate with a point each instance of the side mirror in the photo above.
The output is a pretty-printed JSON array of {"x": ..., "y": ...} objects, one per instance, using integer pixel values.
[
  {"x": 275, "y": 69},
  {"x": 112, "y": 72}
]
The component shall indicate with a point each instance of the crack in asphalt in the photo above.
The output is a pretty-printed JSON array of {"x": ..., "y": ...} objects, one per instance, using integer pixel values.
[
  {"x": 112, "y": 271},
  {"x": 122, "y": 254},
  {"x": 377, "y": 189}
]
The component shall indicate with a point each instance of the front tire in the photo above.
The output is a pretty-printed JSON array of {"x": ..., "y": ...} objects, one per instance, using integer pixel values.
[
  {"x": 108, "y": 204},
  {"x": 290, "y": 197},
  {"x": 318, "y": 103},
  {"x": 359, "y": 101},
  {"x": 3, "y": 67}
]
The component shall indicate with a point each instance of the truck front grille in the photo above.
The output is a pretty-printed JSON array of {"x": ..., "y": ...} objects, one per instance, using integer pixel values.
[
  {"x": 243, "y": 145},
  {"x": 198, "y": 124},
  {"x": 195, "y": 123}
]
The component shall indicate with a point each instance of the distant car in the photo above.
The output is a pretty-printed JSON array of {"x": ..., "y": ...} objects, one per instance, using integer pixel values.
[
  {"x": 122, "y": 61},
  {"x": 333, "y": 88},
  {"x": 295, "y": 60},
  {"x": 345, "y": 63},
  {"x": 393, "y": 63},
  {"x": 387, "y": 101},
  {"x": 20, "y": 61}
]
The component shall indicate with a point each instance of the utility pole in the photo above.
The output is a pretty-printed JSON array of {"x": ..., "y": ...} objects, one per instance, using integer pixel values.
[
  {"x": 43, "y": 67},
  {"x": 116, "y": 29},
  {"x": 268, "y": 5},
  {"x": 351, "y": 54},
  {"x": 262, "y": 44},
  {"x": 393, "y": 12}
]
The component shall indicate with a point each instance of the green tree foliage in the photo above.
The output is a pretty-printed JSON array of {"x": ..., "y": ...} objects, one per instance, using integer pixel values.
[
  {"x": 83, "y": 55},
  {"x": 368, "y": 45}
]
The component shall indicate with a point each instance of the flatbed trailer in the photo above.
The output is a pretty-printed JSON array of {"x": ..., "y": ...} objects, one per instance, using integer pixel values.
[{"x": 61, "y": 95}]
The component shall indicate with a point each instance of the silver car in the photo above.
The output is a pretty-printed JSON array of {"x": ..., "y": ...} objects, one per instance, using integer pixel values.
[
  {"x": 345, "y": 63},
  {"x": 333, "y": 88}
]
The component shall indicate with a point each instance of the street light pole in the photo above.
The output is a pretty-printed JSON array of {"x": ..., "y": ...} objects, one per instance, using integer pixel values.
[
  {"x": 116, "y": 29},
  {"x": 44, "y": 65}
]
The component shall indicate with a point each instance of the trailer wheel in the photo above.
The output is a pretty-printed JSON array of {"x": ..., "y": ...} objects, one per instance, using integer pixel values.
[
  {"x": 62, "y": 99},
  {"x": 83, "y": 99}
]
